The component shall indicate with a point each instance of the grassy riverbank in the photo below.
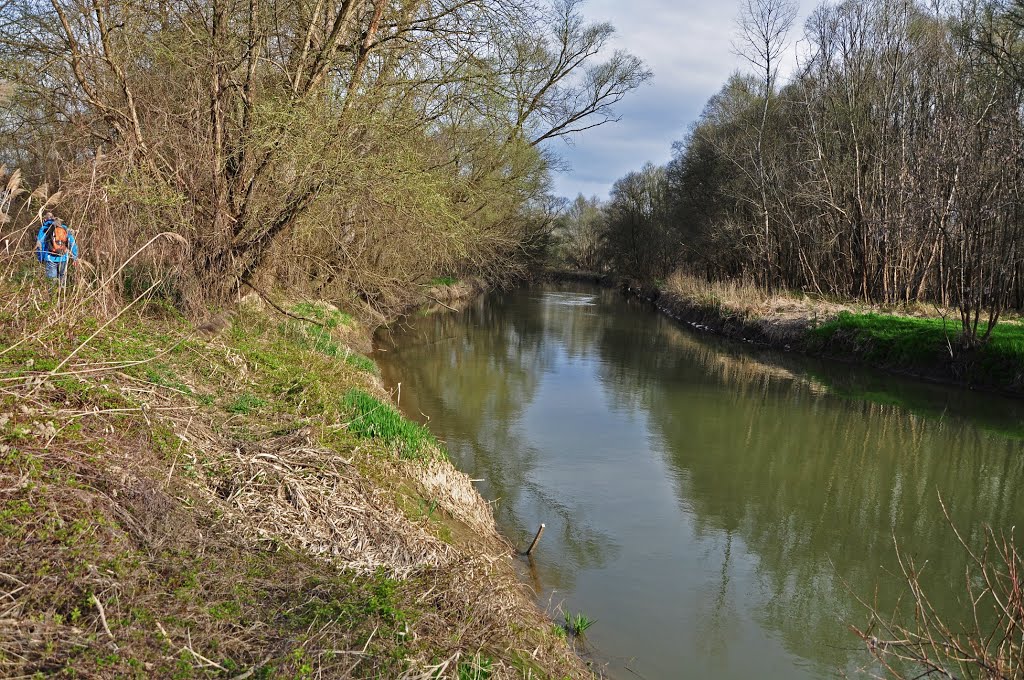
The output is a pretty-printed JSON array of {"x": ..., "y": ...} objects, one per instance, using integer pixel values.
[
  {"x": 241, "y": 504},
  {"x": 914, "y": 341}
]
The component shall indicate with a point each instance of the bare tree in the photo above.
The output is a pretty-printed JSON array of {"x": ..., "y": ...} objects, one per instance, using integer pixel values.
[
  {"x": 888, "y": 168},
  {"x": 763, "y": 28}
]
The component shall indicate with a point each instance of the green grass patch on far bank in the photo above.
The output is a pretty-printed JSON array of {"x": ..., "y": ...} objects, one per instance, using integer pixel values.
[
  {"x": 897, "y": 339},
  {"x": 924, "y": 344}
]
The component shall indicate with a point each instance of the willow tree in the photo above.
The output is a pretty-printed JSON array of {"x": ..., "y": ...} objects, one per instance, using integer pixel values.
[{"x": 252, "y": 126}]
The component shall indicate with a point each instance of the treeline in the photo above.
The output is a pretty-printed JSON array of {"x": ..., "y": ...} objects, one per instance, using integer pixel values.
[
  {"x": 330, "y": 145},
  {"x": 889, "y": 168}
]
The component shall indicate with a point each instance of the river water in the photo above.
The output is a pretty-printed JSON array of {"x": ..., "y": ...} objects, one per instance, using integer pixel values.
[{"x": 716, "y": 509}]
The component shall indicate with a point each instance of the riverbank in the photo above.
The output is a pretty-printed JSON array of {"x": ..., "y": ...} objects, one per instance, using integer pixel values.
[
  {"x": 909, "y": 341},
  {"x": 242, "y": 501},
  {"x": 449, "y": 294}
]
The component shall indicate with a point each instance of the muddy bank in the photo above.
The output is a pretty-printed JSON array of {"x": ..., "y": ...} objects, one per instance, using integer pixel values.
[{"x": 787, "y": 332}]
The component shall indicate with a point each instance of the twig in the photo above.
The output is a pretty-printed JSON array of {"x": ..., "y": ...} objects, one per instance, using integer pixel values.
[
  {"x": 82, "y": 414},
  {"x": 103, "y": 615},
  {"x": 249, "y": 673},
  {"x": 199, "y": 656},
  {"x": 431, "y": 297}
]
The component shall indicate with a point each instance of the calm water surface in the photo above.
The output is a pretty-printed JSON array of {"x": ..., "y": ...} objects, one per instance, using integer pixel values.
[{"x": 716, "y": 509}]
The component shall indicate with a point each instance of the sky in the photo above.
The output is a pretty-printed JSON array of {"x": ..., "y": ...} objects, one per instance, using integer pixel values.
[{"x": 688, "y": 46}]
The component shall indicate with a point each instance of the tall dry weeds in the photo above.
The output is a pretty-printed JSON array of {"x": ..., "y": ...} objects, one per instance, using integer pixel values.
[
  {"x": 742, "y": 297},
  {"x": 990, "y": 644}
]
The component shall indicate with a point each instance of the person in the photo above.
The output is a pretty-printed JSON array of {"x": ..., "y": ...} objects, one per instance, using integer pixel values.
[{"x": 55, "y": 245}]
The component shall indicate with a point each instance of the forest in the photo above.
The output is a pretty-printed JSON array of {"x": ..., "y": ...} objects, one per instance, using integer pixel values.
[{"x": 887, "y": 168}]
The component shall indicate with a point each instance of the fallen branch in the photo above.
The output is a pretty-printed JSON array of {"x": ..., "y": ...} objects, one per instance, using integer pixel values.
[
  {"x": 103, "y": 615},
  {"x": 275, "y": 306}
]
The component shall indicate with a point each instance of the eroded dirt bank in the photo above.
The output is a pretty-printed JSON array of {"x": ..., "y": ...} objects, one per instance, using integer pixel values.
[{"x": 914, "y": 341}]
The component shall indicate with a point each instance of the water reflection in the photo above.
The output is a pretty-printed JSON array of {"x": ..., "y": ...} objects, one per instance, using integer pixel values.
[
  {"x": 473, "y": 388},
  {"x": 717, "y": 509},
  {"x": 819, "y": 487}
]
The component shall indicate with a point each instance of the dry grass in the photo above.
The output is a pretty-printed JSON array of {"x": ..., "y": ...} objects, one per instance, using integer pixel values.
[
  {"x": 780, "y": 318},
  {"x": 174, "y": 507},
  {"x": 747, "y": 299}
]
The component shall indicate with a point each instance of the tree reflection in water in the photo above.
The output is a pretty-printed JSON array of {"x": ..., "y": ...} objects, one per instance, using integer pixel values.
[
  {"x": 786, "y": 479},
  {"x": 471, "y": 375}
]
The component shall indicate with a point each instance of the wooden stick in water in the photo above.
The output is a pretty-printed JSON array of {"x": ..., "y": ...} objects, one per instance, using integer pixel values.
[{"x": 536, "y": 538}]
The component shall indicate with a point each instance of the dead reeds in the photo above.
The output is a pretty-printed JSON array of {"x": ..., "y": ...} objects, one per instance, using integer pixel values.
[{"x": 989, "y": 645}]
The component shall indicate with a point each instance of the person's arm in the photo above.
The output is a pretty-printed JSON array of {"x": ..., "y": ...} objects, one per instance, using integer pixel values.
[
  {"x": 73, "y": 246},
  {"x": 41, "y": 243}
]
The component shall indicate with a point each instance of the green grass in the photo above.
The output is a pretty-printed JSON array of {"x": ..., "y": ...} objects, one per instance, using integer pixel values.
[
  {"x": 577, "y": 624},
  {"x": 245, "y": 403},
  {"x": 165, "y": 377},
  {"x": 896, "y": 339},
  {"x": 373, "y": 418},
  {"x": 363, "y": 363},
  {"x": 329, "y": 317},
  {"x": 319, "y": 338},
  {"x": 444, "y": 281},
  {"x": 297, "y": 368},
  {"x": 925, "y": 344},
  {"x": 384, "y": 607},
  {"x": 479, "y": 667},
  {"x": 237, "y": 596}
]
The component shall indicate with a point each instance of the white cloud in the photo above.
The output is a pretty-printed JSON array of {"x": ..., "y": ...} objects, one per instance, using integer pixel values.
[{"x": 688, "y": 45}]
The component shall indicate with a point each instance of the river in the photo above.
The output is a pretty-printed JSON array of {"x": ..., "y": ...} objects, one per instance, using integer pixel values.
[{"x": 716, "y": 509}]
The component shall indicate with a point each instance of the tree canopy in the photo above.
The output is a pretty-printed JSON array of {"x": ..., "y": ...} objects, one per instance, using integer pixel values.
[{"x": 356, "y": 144}]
